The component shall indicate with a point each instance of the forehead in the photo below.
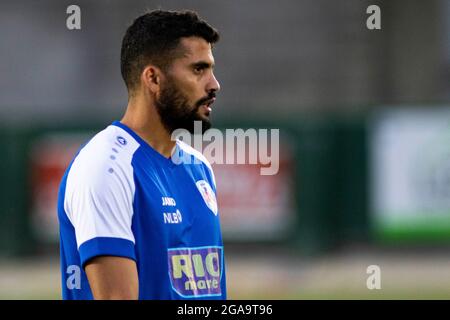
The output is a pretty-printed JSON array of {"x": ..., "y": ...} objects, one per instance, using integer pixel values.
[{"x": 195, "y": 48}]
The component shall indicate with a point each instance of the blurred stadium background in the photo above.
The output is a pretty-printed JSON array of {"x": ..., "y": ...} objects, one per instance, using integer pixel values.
[{"x": 364, "y": 119}]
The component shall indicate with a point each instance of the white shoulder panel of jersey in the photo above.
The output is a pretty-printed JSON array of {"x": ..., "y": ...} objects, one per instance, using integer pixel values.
[
  {"x": 100, "y": 187},
  {"x": 188, "y": 149}
]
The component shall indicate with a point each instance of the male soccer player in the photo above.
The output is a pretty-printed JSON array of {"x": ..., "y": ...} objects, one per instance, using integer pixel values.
[{"x": 134, "y": 223}]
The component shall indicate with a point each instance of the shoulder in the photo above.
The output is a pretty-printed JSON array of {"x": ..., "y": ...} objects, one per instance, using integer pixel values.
[
  {"x": 106, "y": 157},
  {"x": 111, "y": 146},
  {"x": 198, "y": 157},
  {"x": 194, "y": 153}
]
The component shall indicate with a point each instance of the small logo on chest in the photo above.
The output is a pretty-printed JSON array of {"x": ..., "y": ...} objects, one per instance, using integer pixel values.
[
  {"x": 171, "y": 217},
  {"x": 168, "y": 201}
]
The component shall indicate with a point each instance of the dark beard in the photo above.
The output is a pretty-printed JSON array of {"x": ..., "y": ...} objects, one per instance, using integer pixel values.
[{"x": 175, "y": 111}]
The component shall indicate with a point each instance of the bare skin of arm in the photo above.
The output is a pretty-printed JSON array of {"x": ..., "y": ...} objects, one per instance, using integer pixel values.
[{"x": 113, "y": 278}]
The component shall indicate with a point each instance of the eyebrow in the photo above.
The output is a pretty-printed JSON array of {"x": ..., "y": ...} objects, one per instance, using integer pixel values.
[{"x": 203, "y": 65}]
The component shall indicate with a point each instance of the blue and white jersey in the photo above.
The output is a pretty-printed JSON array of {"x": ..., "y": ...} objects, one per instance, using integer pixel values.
[{"x": 120, "y": 197}]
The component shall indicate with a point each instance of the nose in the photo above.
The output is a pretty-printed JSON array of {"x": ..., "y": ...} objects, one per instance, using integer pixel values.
[{"x": 213, "y": 84}]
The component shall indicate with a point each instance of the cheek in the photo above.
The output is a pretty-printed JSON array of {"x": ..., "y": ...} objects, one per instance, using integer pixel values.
[
  {"x": 192, "y": 91},
  {"x": 188, "y": 84}
]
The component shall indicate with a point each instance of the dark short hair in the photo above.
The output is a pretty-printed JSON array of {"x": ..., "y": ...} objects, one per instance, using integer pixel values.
[{"x": 154, "y": 38}]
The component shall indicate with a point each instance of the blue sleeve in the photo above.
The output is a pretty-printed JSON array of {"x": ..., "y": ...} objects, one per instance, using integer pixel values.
[{"x": 105, "y": 246}]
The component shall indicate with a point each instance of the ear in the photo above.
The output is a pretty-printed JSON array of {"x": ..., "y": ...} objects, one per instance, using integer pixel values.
[{"x": 151, "y": 78}]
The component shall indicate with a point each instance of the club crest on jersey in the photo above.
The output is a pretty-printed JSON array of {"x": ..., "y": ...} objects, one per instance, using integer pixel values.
[{"x": 207, "y": 195}]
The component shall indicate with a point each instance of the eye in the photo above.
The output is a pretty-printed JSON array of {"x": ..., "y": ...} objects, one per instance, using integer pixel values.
[{"x": 198, "y": 69}]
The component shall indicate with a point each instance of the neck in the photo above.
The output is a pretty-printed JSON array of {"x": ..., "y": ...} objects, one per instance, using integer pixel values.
[{"x": 143, "y": 118}]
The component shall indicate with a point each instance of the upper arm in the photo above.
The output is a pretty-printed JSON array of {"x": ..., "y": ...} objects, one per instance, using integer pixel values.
[
  {"x": 113, "y": 278},
  {"x": 99, "y": 204}
]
